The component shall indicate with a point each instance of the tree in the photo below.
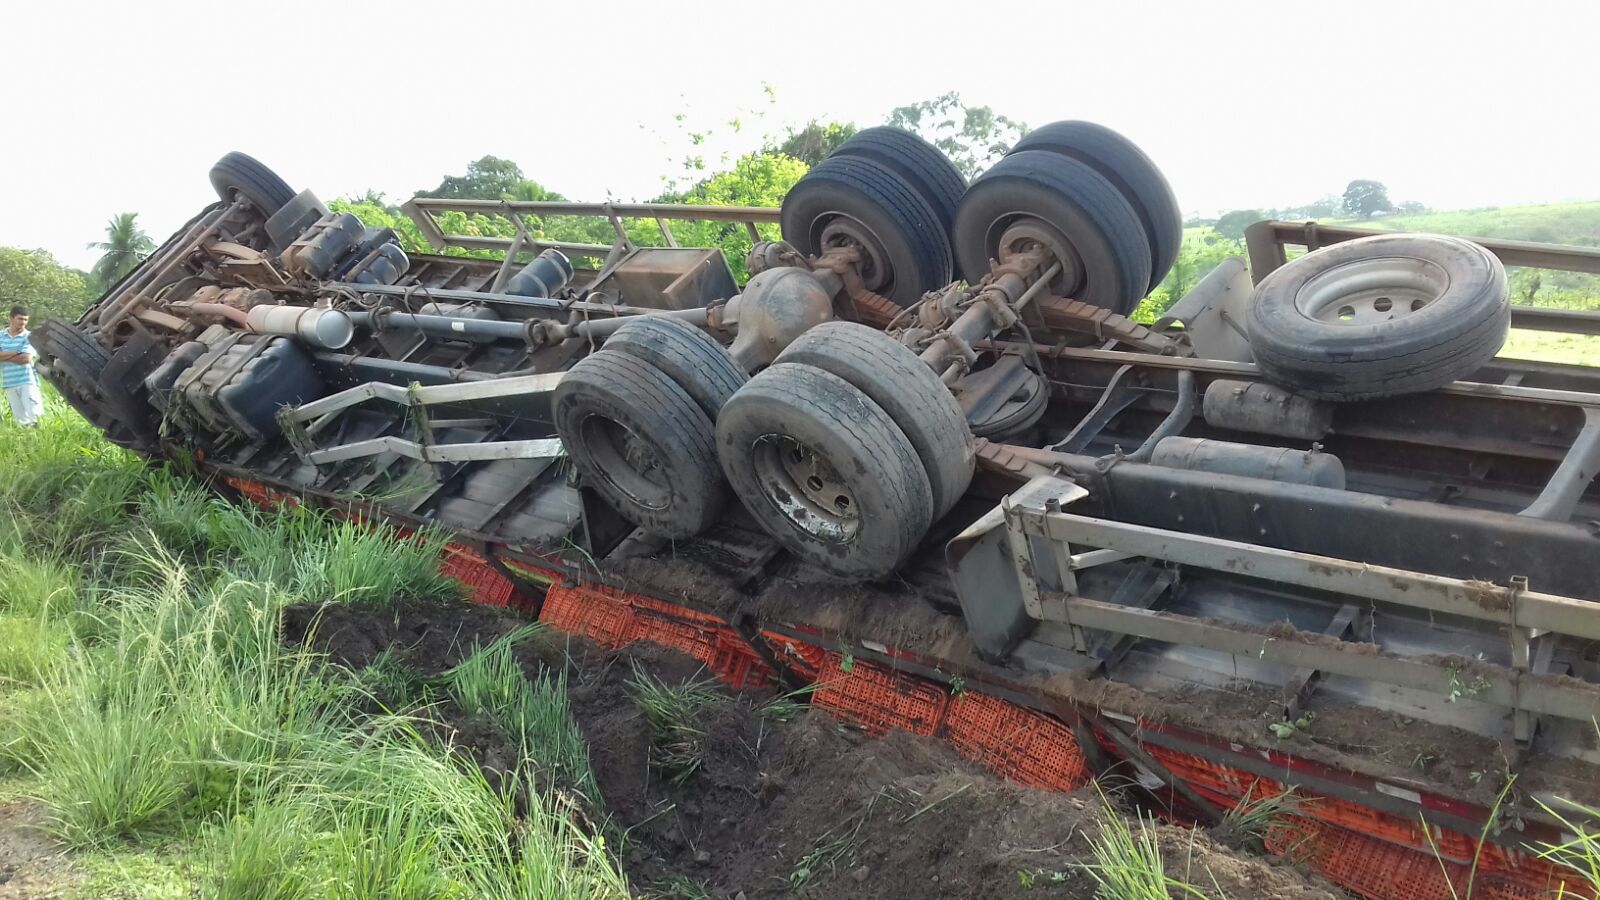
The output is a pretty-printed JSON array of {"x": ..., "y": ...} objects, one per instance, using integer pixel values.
[
  {"x": 1325, "y": 208},
  {"x": 34, "y": 279},
  {"x": 126, "y": 245},
  {"x": 817, "y": 141},
  {"x": 530, "y": 191},
  {"x": 1411, "y": 208},
  {"x": 487, "y": 178},
  {"x": 1233, "y": 223},
  {"x": 1201, "y": 251},
  {"x": 972, "y": 136},
  {"x": 756, "y": 179},
  {"x": 1363, "y": 198}
]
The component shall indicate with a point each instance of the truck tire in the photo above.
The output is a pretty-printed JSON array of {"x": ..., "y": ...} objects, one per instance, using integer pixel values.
[
  {"x": 237, "y": 173},
  {"x": 1121, "y": 162},
  {"x": 921, "y": 164},
  {"x": 851, "y": 200},
  {"x": 641, "y": 442},
  {"x": 1108, "y": 256},
  {"x": 893, "y": 377},
  {"x": 684, "y": 353},
  {"x": 1380, "y": 317},
  {"x": 825, "y": 471},
  {"x": 73, "y": 362}
]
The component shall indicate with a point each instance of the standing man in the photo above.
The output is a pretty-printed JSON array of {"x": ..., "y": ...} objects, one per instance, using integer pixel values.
[{"x": 16, "y": 369}]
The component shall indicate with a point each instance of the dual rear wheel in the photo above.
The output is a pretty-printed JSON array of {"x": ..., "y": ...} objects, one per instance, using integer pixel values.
[
  {"x": 1079, "y": 190},
  {"x": 848, "y": 447},
  {"x": 845, "y": 450}
]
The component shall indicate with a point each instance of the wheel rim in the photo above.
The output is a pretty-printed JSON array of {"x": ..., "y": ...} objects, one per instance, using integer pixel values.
[
  {"x": 806, "y": 489},
  {"x": 626, "y": 461},
  {"x": 1027, "y": 234},
  {"x": 837, "y": 229},
  {"x": 1369, "y": 291}
]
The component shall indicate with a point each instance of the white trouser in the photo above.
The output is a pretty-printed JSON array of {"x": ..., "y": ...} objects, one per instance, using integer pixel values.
[{"x": 26, "y": 404}]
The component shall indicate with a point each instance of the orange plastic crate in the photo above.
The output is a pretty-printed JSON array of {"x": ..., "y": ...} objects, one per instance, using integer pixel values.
[
  {"x": 484, "y": 583},
  {"x": 1021, "y": 745},
  {"x": 880, "y": 699},
  {"x": 575, "y": 610},
  {"x": 615, "y": 618},
  {"x": 689, "y": 638},
  {"x": 736, "y": 664},
  {"x": 1380, "y": 870},
  {"x": 805, "y": 660}
]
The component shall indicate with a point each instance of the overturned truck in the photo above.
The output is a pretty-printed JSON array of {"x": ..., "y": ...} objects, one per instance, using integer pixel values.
[{"x": 1306, "y": 530}]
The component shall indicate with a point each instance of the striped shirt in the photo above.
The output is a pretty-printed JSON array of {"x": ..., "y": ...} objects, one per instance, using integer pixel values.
[{"x": 15, "y": 374}]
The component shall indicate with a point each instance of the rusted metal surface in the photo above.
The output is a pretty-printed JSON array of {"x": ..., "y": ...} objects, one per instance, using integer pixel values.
[
  {"x": 424, "y": 211},
  {"x": 1077, "y": 317}
]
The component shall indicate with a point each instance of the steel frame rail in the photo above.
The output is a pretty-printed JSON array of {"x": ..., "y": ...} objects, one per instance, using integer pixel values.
[
  {"x": 302, "y": 423},
  {"x": 1526, "y": 614},
  {"x": 424, "y": 210}
]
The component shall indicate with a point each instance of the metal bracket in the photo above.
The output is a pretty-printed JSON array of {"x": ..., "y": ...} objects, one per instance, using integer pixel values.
[{"x": 302, "y": 423}]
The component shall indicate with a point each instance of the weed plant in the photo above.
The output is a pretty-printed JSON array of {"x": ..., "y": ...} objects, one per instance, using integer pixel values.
[{"x": 146, "y": 692}]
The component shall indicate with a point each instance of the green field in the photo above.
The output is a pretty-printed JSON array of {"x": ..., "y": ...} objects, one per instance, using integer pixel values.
[
  {"x": 1576, "y": 224},
  {"x": 1550, "y": 223}
]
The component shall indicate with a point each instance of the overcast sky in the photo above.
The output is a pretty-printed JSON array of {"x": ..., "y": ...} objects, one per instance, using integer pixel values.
[{"x": 124, "y": 107}]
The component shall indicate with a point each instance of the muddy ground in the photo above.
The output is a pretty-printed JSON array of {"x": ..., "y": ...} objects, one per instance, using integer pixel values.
[
  {"x": 788, "y": 805},
  {"x": 32, "y": 867}
]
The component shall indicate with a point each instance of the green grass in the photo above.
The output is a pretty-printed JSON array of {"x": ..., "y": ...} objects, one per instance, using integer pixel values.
[
  {"x": 1546, "y": 346},
  {"x": 1549, "y": 223},
  {"x": 535, "y": 714},
  {"x": 1127, "y": 860},
  {"x": 1246, "y": 824},
  {"x": 148, "y": 704},
  {"x": 677, "y": 744}
]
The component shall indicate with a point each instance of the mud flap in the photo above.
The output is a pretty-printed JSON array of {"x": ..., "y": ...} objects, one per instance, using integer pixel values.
[{"x": 994, "y": 597}]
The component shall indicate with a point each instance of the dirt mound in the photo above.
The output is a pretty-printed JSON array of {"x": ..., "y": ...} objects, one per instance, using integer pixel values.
[
  {"x": 428, "y": 636},
  {"x": 812, "y": 808},
  {"x": 787, "y": 801}
]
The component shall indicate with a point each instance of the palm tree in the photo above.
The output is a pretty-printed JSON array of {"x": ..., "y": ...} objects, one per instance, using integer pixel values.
[{"x": 126, "y": 245}]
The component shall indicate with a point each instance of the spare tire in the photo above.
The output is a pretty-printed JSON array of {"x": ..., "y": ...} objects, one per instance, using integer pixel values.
[
  {"x": 237, "y": 173},
  {"x": 857, "y": 201},
  {"x": 920, "y": 163},
  {"x": 1380, "y": 317}
]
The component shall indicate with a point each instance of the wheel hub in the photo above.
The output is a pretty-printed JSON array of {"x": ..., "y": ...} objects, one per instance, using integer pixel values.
[
  {"x": 806, "y": 489},
  {"x": 1030, "y": 235},
  {"x": 841, "y": 230},
  {"x": 1369, "y": 291},
  {"x": 627, "y": 461}
]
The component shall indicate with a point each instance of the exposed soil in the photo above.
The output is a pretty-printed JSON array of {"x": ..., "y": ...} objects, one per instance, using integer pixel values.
[
  {"x": 903, "y": 614},
  {"x": 32, "y": 866},
  {"x": 788, "y": 805}
]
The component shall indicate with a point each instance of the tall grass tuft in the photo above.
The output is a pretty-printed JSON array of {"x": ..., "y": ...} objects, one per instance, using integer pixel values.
[
  {"x": 536, "y": 714},
  {"x": 160, "y": 703},
  {"x": 672, "y": 712},
  {"x": 174, "y": 714},
  {"x": 386, "y": 814},
  {"x": 1127, "y": 860}
]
